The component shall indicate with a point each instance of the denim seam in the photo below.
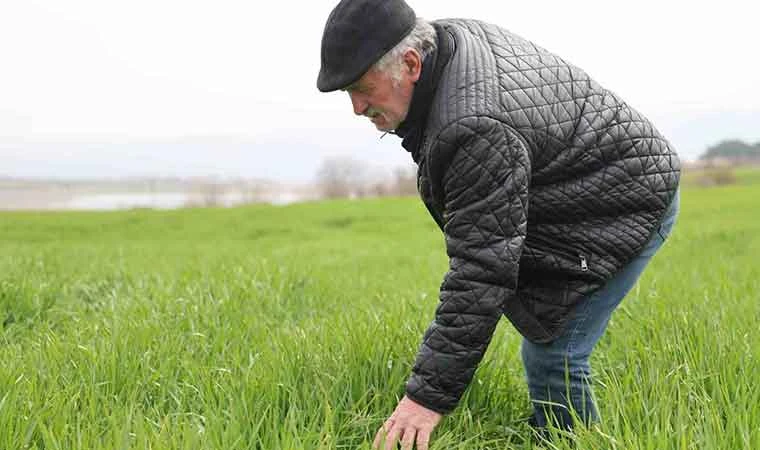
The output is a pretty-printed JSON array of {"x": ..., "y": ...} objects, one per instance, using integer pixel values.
[{"x": 574, "y": 332}]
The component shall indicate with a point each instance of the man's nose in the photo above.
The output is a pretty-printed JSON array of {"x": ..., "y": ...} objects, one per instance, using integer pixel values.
[{"x": 360, "y": 105}]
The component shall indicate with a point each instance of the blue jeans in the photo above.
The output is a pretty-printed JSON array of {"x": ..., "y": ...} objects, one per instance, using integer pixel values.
[{"x": 558, "y": 373}]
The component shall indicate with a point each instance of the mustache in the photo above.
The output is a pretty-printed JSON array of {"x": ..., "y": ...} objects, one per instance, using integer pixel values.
[{"x": 372, "y": 113}]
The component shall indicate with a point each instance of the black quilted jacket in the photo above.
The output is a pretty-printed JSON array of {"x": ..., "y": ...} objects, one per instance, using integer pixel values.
[{"x": 544, "y": 183}]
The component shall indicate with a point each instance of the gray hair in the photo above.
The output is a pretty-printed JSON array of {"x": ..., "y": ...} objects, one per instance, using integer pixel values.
[{"x": 422, "y": 38}]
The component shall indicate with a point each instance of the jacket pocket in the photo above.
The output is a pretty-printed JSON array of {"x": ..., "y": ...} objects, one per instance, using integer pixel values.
[{"x": 578, "y": 260}]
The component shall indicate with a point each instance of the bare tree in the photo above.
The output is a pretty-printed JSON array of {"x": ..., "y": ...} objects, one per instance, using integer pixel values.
[
  {"x": 341, "y": 177},
  {"x": 250, "y": 190},
  {"x": 405, "y": 181},
  {"x": 380, "y": 189}
]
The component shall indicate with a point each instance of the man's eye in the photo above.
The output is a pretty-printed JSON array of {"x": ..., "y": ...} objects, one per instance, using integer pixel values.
[{"x": 363, "y": 88}]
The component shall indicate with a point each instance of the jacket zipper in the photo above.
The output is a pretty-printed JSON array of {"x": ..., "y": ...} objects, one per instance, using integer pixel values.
[{"x": 583, "y": 261}]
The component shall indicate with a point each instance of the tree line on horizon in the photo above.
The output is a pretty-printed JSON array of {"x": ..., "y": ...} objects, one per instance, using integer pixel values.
[
  {"x": 346, "y": 177},
  {"x": 734, "y": 150}
]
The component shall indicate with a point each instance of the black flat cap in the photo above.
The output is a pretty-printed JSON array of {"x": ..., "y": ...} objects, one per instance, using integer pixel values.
[{"x": 357, "y": 34}]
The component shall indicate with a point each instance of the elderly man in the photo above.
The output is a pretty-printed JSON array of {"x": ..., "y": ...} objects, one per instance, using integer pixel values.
[{"x": 553, "y": 195}]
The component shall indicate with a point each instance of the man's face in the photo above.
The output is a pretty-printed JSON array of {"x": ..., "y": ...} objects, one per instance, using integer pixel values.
[{"x": 382, "y": 99}]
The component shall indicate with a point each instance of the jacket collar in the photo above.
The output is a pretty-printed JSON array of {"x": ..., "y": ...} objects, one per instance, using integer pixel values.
[{"x": 411, "y": 130}]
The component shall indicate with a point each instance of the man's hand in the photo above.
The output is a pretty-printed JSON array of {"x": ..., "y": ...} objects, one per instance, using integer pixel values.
[{"x": 410, "y": 422}]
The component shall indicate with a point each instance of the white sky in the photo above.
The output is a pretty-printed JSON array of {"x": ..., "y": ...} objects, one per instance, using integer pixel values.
[{"x": 157, "y": 71}]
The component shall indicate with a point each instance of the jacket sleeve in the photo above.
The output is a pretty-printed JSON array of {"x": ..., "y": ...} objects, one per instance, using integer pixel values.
[{"x": 484, "y": 186}]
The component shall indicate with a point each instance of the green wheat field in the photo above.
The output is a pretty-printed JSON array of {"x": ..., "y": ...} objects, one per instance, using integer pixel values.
[{"x": 295, "y": 327}]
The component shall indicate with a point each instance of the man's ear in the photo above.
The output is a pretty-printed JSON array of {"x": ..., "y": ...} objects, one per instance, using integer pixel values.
[{"x": 413, "y": 64}]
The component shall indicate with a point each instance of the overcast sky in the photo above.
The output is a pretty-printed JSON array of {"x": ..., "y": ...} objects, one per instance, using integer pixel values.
[{"x": 170, "y": 87}]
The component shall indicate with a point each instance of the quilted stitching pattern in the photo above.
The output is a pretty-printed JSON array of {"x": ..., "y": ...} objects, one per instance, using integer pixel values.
[
  {"x": 544, "y": 184},
  {"x": 484, "y": 240}
]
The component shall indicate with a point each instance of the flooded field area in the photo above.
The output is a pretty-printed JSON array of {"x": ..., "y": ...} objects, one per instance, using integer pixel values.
[{"x": 61, "y": 195}]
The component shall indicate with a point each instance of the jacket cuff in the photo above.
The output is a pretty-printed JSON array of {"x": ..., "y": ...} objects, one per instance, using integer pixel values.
[{"x": 420, "y": 398}]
